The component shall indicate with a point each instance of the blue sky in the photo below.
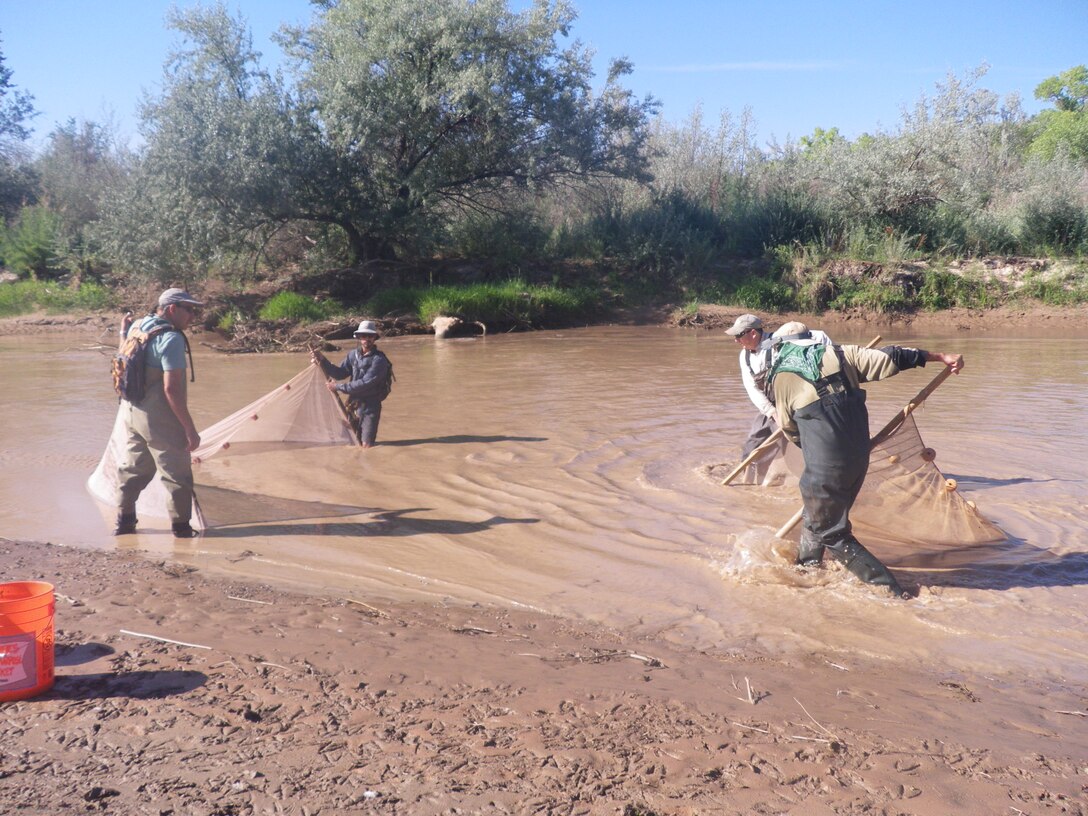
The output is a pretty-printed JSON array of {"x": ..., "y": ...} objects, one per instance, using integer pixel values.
[{"x": 796, "y": 65}]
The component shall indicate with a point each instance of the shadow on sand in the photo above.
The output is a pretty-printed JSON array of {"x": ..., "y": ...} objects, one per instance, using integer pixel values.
[{"x": 388, "y": 523}]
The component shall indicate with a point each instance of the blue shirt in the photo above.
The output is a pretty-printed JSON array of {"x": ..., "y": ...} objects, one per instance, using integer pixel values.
[{"x": 166, "y": 351}]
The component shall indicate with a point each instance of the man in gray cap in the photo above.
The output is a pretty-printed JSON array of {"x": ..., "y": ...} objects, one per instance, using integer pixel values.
[
  {"x": 755, "y": 361},
  {"x": 161, "y": 433},
  {"x": 370, "y": 379},
  {"x": 821, "y": 407}
]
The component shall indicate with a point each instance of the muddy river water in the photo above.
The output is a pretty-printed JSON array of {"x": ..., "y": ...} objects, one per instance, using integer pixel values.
[{"x": 566, "y": 471}]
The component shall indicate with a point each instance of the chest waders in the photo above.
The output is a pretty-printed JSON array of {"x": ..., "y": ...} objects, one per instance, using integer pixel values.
[{"x": 834, "y": 433}]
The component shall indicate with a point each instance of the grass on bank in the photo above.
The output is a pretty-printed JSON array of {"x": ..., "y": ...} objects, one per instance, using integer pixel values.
[
  {"x": 27, "y": 296},
  {"x": 512, "y": 303}
]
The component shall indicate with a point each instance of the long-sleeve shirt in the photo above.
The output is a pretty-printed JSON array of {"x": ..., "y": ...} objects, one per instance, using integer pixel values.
[
  {"x": 753, "y": 371},
  {"x": 793, "y": 392},
  {"x": 368, "y": 375}
]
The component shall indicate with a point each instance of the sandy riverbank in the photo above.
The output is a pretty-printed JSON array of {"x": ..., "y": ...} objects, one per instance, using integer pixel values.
[
  {"x": 337, "y": 705},
  {"x": 1019, "y": 319}
]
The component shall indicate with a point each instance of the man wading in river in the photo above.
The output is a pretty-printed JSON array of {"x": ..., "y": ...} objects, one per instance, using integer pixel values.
[
  {"x": 370, "y": 378},
  {"x": 755, "y": 361},
  {"x": 821, "y": 408}
]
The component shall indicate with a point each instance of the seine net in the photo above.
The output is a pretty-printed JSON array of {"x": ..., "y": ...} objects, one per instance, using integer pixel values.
[
  {"x": 906, "y": 498},
  {"x": 298, "y": 415}
]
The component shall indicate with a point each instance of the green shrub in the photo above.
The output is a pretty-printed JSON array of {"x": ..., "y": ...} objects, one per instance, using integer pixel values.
[
  {"x": 1055, "y": 291},
  {"x": 942, "y": 289},
  {"x": 29, "y": 245},
  {"x": 509, "y": 303},
  {"x": 871, "y": 296},
  {"x": 293, "y": 306},
  {"x": 760, "y": 294},
  {"x": 398, "y": 300},
  {"x": 22, "y": 297},
  {"x": 1054, "y": 226},
  {"x": 507, "y": 240}
]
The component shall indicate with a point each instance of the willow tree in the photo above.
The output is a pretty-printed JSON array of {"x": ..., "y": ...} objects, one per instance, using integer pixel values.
[{"x": 394, "y": 115}]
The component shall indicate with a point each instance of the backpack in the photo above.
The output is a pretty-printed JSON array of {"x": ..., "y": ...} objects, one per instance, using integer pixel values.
[
  {"x": 129, "y": 377},
  {"x": 388, "y": 385}
]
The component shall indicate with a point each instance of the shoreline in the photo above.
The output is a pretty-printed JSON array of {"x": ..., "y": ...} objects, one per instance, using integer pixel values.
[
  {"x": 335, "y": 704},
  {"x": 1022, "y": 320}
]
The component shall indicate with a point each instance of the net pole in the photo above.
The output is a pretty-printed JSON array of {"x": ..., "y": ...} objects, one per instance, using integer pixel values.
[
  {"x": 883, "y": 434},
  {"x": 772, "y": 440}
]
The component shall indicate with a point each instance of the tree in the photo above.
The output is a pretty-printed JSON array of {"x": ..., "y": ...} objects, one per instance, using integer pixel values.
[
  {"x": 1064, "y": 129},
  {"x": 1068, "y": 91},
  {"x": 78, "y": 169},
  {"x": 401, "y": 114},
  {"x": 16, "y": 110}
]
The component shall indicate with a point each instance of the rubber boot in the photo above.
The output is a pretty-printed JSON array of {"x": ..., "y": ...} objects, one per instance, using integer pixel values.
[
  {"x": 126, "y": 524},
  {"x": 867, "y": 566},
  {"x": 810, "y": 552},
  {"x": 182, "y": 529}
]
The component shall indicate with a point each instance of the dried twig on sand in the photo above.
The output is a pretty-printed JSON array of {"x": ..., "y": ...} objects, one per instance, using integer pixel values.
[
  {"x": 471, "y": 630},
  {"x": 371, "y": 609},
  {"x": 248, "y": 600},
  {"x": 164, "y": 640},
  {"x": 814, "y": 720}
]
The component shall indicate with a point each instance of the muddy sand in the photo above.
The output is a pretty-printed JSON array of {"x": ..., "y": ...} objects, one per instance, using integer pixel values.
[
  {"x": 285, "y": 703},
  {"x": 275, "y": 702}
]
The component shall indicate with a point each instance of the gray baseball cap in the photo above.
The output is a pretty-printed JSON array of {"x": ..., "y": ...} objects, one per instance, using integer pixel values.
[
  {"x": 172, "y": 296},
  {"x": 744, "y": 323}
]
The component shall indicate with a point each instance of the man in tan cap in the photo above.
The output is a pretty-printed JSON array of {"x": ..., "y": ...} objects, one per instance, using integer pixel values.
[
  {"x": 161, "y": 433},
  {"x": 755, "y": 361},
  {"x": 821, "y": 407},
  {"x": 370, "y": 379}
]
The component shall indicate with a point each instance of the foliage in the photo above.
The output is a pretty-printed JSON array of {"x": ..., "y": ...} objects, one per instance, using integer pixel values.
[
  {"x": 17, "y": 182},
  {"x": 401, "y": 114},
  {"x": 1060, "y": 290},
  {"x": 293, "y": 306},
  {"x": 1064, "y": 129},
  {"x": 505, "y": 240},
  {"x": 873, "y": 296},
  {"x": 760, "y": 294},
  {"x": 1061, "y": 131},
  {"x": 1068, "y": 91},
  {"x": 943, "y": 289},
  {"x": 512, "y": 303},
  {"x": 79, "y": 169},
  {"x": 16, "y": 111},
  {"x": 29, "y": 245},
  {"x": 23, "y": 297}
]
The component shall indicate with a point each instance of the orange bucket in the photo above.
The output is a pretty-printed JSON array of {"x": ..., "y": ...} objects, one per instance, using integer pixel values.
[{"x": 26, "y": 639}]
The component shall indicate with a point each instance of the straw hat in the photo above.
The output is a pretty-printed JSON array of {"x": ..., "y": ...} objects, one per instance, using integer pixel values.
[{"x": 794, "y": 332}]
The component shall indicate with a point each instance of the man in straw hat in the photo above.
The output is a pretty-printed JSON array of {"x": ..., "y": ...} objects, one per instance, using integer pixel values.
[
  {"x": 821, "y": 408},
  {"x": 755, "y": 361},
  {"x": 370, "y": 379},
  {"x": 161, "y": 433}
]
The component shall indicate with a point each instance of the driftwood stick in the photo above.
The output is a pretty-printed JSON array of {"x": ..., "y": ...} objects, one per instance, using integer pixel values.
[{"x": 164, "y": 640}]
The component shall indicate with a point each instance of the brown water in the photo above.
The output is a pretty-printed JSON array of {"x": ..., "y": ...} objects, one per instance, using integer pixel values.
[{"x": 566, "y": 472}]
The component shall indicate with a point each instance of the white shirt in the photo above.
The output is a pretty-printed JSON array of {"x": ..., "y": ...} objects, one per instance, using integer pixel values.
[{"x": 753, "y": 371}]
